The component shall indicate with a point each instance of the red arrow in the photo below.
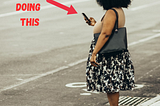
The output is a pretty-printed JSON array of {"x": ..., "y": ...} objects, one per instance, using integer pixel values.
[{"x": 70, "y": 9}]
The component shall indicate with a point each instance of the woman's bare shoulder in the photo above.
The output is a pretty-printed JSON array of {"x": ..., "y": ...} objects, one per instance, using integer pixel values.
[{"x": 121, "y": 16}]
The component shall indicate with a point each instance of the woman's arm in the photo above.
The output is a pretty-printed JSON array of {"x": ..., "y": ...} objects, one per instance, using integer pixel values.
[{"x": 108, "y": 25}]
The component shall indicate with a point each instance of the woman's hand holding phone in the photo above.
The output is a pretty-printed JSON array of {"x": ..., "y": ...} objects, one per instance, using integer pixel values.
[{"x": 91, "y": 21}]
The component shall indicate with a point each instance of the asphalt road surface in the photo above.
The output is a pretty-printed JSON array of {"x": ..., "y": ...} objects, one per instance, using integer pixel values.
[{"x": 45, "y": 65}]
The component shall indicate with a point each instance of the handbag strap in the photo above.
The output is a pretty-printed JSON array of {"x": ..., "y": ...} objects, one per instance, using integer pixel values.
[{"x": 116, "y": 23}]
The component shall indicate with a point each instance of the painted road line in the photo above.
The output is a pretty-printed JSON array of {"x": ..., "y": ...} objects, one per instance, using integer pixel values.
[
  {"x": 151, "y": 102},
  {"x": 12, "y": 13},
  {"x": 144, "y": 40},
  {"x": 144, "y": 6},
  {"x": 76, "y": 85},
  {"x": 33, "y": 78},
  {"x": 42, "y": 8},
  {"x": 67, "y": 66},
  {"x": 42, "y": 75},
  {"x": 65, "y": 3},
  {"x": 85, "y": 94}
]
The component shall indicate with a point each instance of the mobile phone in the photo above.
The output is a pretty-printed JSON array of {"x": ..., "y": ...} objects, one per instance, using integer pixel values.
[{"x": 86, "y": 17}]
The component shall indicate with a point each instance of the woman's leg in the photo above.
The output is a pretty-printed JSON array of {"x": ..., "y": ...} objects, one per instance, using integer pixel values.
[{"x": 113, "y": 98}]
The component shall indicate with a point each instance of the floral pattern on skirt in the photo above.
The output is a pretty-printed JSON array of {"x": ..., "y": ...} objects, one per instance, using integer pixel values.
[{"x": 114, "y": 73}]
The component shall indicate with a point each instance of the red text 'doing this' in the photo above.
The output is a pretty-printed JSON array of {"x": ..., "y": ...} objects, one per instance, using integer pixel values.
[
  {"x": 28, "y": 7},
  {"x": 30, "y": 21}
]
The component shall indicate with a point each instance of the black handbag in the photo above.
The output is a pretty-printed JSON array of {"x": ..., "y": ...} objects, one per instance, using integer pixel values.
[{"x": 117, "y": 40}]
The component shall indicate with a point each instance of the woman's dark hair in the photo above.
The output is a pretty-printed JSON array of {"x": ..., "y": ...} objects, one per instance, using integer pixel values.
[{"x": 108, "y": 4}]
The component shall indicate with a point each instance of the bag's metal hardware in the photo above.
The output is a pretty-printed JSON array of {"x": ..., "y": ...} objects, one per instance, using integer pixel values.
[{"x": 116, "y": 30}]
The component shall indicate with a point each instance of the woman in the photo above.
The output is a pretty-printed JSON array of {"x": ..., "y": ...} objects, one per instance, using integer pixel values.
[{"x": 109, "y": 72}]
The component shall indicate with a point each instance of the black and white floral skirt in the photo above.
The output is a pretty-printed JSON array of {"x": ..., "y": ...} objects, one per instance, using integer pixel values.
[{"x": 114, "y": 73}]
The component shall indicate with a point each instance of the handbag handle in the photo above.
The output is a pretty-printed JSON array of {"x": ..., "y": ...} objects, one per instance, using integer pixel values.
[
  {"x": 116, "y": 26},
  {"x": 116, "y": 23}
]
